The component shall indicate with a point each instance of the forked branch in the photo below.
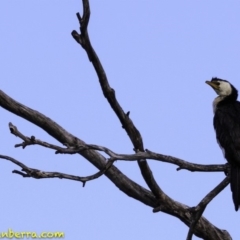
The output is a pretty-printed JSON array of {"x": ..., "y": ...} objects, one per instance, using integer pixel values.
[
  {"x": 109, "y": 93},
  {"x": 155, "y": 198},
  {"x": 125, "y": 184},
  {"x": 199, "y": 209},
  {"x": 27, "y": 141},
  {"x": 38, "y": 174}
]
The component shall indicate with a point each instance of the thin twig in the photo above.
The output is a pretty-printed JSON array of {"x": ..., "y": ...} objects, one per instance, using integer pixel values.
[{"x": 39, "y": 174}]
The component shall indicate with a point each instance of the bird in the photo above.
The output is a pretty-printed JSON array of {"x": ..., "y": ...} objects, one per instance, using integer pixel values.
[{"x": 226, "y": 122}]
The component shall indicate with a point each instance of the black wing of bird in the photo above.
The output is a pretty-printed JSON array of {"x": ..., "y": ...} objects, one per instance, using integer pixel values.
[{"x": 227, "y": 126}]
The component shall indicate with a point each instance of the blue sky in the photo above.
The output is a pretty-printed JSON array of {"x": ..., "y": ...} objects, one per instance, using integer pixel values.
[{"x": 157, "y": 56}]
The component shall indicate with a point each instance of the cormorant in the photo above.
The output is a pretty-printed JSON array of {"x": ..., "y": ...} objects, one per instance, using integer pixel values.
[{"x": 226, "y": 122}]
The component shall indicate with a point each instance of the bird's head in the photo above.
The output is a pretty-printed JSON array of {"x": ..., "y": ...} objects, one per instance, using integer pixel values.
[{"x": 222, "y": 87}]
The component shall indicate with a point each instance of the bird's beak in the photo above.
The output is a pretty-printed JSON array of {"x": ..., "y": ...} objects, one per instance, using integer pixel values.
[{"x": 212, "y": 84}]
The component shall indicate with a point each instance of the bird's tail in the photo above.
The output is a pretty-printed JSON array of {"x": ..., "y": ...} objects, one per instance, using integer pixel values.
[{"x": 235, "y": 185}]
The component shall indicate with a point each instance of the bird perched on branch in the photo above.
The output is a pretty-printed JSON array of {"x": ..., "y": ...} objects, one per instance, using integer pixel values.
[{"x": 226, "y": 122}]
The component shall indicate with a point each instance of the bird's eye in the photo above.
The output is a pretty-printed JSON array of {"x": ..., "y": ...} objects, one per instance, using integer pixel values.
[{"x": 217, "y": 83}]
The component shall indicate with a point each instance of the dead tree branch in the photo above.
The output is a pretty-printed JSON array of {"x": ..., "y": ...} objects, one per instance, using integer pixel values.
[
  {"x": 109, "y": 94},
  {"x": 155, "y": 198},
  {"x": 199, "y": 209},
  {"x": 56, "y": 131},
  {"x": 38, "y": 174},
  {"x": 115, "y": 156},
  {"x": 125, "y": 184}
]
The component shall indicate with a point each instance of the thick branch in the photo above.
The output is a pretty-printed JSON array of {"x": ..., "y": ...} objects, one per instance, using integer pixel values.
[
  {"x": 127, "y": 124},
  {"x": 126, "y": 185},
  {"x": 52, "y": 128}
]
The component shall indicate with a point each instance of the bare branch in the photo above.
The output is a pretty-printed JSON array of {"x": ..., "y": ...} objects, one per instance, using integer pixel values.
[
  {"x": 114, "y": 156},
  {"x": 33, "y": 141},
  {"x": 127, "y": 124},
  {"x": 109, "y": 93},
  {"x": 199, "y": 209},
  {"x": 156, "y": 199},
  {"x": 163, "y": 158},
  {"x": 39, "y": 174},
  {"x": 86, "y": 15},
  {"x": 125, "y": 184}
]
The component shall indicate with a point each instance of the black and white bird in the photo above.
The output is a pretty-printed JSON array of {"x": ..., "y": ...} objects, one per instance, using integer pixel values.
[{"x": 226, "y": 122}]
